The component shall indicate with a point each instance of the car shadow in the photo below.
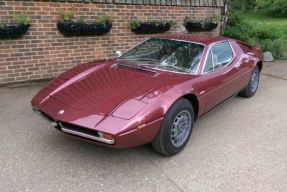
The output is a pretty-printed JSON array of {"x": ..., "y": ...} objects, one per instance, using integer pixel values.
[{"x": 64, "y": 145}]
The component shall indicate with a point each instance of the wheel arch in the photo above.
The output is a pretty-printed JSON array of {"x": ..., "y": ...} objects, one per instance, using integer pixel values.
[
  {"x": 192, "y": 98},
  {"x": 260, "y": 65},
  {"x": 162, "y": 143}
]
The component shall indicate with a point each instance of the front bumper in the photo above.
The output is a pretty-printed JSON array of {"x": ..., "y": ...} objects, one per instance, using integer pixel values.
[
  {"x": 132, "y": 138},
  {"x": 85, "y": 133}
]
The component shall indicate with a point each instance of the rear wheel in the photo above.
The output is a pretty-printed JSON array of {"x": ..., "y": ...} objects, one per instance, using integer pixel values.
[
  {"x": 176, "y": 128},
  {"x": 252, "y": 86}
]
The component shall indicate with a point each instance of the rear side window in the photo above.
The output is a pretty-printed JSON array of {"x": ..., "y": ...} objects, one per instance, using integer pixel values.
[
  {"x": 222, "y": 54},
  {"x": 219, "y": 56}
]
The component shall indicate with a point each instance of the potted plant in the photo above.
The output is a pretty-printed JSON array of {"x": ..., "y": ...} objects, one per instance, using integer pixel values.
[
  {"x": 68, "y": 26},
  {"x": 152, "y": 26},
  {"x": 201, "y": 25},
  {"x": 17, "y": 29}
]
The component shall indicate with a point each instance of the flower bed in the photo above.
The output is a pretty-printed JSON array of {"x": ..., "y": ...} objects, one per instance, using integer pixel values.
[
  {"x": 69, "y": 26},
  {"x": 13, "y": 30},
  {"x": 207, "y": 24},
  {"x": 16, "y": 29},
  {"x": 200, "y": 26},
  {"x": 83, "y": 29},
  {"x": 152, "y": 27}
]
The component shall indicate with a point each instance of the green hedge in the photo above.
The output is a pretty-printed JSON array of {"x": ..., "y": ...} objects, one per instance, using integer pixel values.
[{"x": 270, "y": 37}]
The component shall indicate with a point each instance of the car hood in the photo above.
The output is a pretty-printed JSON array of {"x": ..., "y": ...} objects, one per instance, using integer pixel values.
[{"x": 103, "y": 89}]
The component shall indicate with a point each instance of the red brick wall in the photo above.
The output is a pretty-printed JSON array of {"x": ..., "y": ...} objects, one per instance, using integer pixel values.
[{"x": 44, "y": 53}]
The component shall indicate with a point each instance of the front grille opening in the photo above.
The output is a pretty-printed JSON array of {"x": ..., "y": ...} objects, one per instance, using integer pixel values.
[{"x": 79, "y": 129}]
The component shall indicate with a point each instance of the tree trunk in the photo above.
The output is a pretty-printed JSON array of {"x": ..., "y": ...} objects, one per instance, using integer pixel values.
[
  {"x": 244, "y": 4},
  {"x": 224, "y": 15}
]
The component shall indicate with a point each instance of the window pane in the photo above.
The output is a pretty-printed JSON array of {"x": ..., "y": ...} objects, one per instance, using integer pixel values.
[
  {"x": 209, "y": 63},
  {"x": 166, "y": 54},
  {"x": 222, "y": 54}
]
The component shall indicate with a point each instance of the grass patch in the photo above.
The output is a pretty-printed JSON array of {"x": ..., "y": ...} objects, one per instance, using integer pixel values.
[{"x": 266, "y": 17}]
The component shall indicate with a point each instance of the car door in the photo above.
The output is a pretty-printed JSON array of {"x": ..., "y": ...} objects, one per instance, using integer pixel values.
[{"x": 219, "y": 74}]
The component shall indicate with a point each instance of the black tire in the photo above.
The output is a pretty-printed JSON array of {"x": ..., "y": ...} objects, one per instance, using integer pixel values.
[
  {"x": 248, "y": 91},
  {"x": 162, "y": 142}
]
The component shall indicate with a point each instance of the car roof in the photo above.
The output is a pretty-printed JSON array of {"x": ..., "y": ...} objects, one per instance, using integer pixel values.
[{"x": 194, "y": 38}]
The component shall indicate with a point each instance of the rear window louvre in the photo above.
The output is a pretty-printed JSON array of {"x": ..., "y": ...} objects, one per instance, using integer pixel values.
[{"x": 245, "y": 48}]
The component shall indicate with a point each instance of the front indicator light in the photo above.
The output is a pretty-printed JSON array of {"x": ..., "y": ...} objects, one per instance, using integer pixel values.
[
  {"x": 141, "y": 126},
  {"x": 106, "y": 136}
]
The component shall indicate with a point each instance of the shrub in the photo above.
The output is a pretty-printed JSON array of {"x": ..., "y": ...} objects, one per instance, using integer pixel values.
[
  {"x": 209, "y": 23},
  {"x": 82, "y": 19},
  {"x": 277, "y": 47},
  {"x": 1, "y": 25},
  {"x": 134, "y": 23},
  {"x": 271, "y": 38},
  {"x": 105, "y": 19},
  {"x": 275, "y": 6},
  {"x": 151, "y": 26},
  {"x": 173, "y": 23},
  {"x": 237, "y": 28},
  {"x": 234, "y": 19},
  {"x": 70, "y": 16},
  {"x": 17, "y": 29},
  {"x": 236, "y": 32},
  {"x": 237, "y": 4},
  {"x": 262, "y": 30},
  {"x": 215, "y": 18},
  {"x": 70, "y": 26},
  {"x": 67, "y": 16},
  {"x": 21, "y": 18}
]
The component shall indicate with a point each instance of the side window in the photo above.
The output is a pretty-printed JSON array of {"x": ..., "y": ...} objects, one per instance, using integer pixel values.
[
  {"x": 209, "y": 63},
  {"x": 222, "y": 54},
  {"x": 219, "y": 55}
]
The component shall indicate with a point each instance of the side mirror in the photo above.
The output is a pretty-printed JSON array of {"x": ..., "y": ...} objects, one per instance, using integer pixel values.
[{"x": 118, "y": 54}]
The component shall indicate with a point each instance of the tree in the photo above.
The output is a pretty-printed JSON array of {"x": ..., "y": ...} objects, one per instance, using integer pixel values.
[
  {"x": 244, "y": 5},
  {"x": 276, "y": 6}
]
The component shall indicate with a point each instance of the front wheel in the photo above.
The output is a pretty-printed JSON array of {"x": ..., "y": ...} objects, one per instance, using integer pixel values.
[
  {"x": 252, "y": 86},
  {"x": 176, "y": 128}
]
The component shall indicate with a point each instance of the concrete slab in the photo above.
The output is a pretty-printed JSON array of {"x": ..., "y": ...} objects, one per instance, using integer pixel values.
[{"x": 239, "y": 146}]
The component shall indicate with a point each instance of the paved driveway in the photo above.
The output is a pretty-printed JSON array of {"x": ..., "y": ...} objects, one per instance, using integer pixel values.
[{"x": 239, "y": 146}]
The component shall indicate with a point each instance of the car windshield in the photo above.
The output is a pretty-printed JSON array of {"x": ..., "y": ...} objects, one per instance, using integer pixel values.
[{"x": 165, "y": 54}]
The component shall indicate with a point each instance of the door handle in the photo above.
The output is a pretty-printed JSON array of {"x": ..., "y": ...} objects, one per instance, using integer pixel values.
[
  {"x": 246, "y": 60},
  {"x": 237, "y": 66}
]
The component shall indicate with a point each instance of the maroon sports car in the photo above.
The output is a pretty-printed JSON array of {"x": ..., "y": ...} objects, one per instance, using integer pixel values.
[{"x": 152, "y": 93}]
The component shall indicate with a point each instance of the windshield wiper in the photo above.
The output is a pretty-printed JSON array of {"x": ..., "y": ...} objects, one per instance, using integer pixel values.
[
  {"x": 174, "y": 67},
  {"x": 138, "y": 66},
  {"x": 148, "y": 59},
  {"x": 141, "y": 59}
]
